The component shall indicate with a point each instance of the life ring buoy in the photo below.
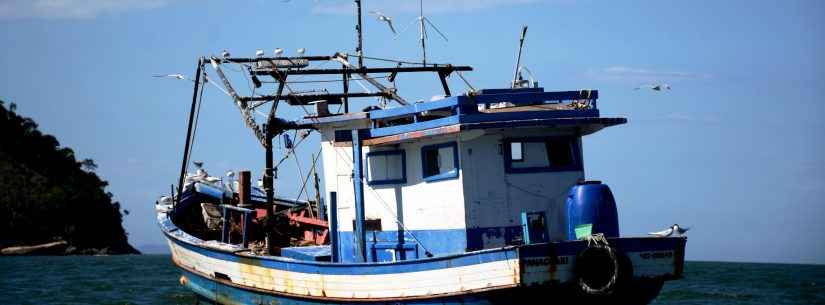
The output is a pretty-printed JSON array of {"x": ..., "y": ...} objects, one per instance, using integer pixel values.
[{"x": 597, "y": 269}]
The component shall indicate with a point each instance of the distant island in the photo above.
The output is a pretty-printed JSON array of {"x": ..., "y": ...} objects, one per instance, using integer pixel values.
[{"x": 51, "y": 203}]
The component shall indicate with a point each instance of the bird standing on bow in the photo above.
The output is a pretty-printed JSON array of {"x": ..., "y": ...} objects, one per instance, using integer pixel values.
[
  {"x": 381, "y": 17},
  {"x": 675, "y": 228},
  {"x": 654, "y": 87}
]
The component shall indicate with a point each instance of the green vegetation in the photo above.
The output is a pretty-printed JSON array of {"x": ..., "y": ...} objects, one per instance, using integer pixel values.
[{"x": 47, "y": 195}]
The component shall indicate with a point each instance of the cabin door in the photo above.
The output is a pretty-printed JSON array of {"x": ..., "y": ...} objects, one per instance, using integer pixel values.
[{"x": 346, "y": 215}]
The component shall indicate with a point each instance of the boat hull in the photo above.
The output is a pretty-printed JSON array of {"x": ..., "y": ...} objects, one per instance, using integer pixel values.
[
  {"x": 227, "y": 274},
  {"x": 640, "y": 291}
]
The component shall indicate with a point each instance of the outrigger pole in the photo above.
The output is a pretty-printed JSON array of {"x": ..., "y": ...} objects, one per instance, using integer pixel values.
[
  {"x": 269, "y": 171},
  {"x": 189, "y": 129}
]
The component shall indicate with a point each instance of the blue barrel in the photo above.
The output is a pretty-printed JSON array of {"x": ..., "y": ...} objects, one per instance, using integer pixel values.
[{"x": 591, "y": 209}]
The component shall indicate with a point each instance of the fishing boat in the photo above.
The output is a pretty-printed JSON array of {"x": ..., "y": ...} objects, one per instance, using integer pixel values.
[{"x": 472, "y": 198}]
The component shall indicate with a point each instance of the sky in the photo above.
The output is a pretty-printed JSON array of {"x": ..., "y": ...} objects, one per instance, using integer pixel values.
[{"x": 735, "y": 150}]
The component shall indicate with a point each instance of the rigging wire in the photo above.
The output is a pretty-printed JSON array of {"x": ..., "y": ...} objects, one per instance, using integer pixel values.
[
  {"x": 195, "y": 123},
  {"x": 319, "y": 81},
  {"x": 473, "y": 89},
  {"x": 306, "y": 180},
  {"x": 396, "y": 60}
]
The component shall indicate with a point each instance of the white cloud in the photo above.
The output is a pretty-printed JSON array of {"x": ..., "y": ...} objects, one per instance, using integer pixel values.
[
  {"x": 71, "y": 9},
  {"x": 409, "y": 6},
  {"x": 641, "y": 75}
]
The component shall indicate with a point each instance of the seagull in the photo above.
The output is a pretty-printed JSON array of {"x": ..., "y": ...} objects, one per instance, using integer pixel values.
[
  {"x": 259, "y": 53},
  {"x": 655, "y": 87},
  {"x": 675, "y": 228},
  {"x": 225, "y": 54},
  {"x": 385, "y": 18},
  {"x": 177, "y": 76},
  {"x": 278, "y": 52},
  {"x": 301, "y": 51}
]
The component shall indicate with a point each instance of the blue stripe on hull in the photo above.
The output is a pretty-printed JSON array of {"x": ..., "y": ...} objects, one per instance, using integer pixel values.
[
  {"x": 436, "y": 263},
  {"x": 225, "y": 294}
]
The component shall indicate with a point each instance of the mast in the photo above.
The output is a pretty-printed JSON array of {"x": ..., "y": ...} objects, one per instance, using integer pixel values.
[
  {"x": 360, "y": 49},
  {"x": 189, "y": 128},
  {"x": 422, "y": 31}
]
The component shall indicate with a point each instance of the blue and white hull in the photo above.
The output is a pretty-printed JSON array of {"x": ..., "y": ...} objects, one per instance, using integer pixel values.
[{"x": 225, "y": 274}]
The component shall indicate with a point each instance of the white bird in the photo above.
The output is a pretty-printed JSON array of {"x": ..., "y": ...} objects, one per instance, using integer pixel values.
[
  {"x": 675, "y": 228},
  {"x": 259, "y": 53},
  {"x": 301, "y": 51},
  {"x": 278, "y": 52},
  {"x": 381, "y": 17},
  {"x": 225, "y": 54},
  {"x": 177, "y": 76},
  {"x": 655, "y": 87}
]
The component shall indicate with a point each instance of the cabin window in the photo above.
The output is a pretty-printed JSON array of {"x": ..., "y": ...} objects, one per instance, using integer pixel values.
[
  {"x": 439, "y": 161},
  {"x": 386, "y": 167},
  {"x": 547, "y": 154},
  {"x": 516, "y": 149}
]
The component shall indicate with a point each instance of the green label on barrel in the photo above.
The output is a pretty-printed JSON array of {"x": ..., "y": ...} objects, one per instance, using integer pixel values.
[{"x": 584, "y": 230}]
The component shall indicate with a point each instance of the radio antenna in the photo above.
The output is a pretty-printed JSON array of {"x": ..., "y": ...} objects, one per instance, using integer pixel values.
[
  {"x": 423, "y": 21},
  {"x": 518, "y": 59}
]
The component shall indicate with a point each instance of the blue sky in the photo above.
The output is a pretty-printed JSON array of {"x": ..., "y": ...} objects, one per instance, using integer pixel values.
[{"x": 735, "y": 150}]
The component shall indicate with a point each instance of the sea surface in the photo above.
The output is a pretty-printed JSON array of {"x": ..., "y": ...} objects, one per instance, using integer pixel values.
[{"x": 152, "y": 279}]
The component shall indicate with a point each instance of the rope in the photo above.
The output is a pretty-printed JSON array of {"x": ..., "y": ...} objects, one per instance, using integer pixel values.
[
  {"x": 597, "y": 239},
  {"x": 306, "y": 180},
  {"x": 461, "y": 75}
]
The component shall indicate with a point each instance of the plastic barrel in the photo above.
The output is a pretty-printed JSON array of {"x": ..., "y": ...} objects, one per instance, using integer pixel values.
[{"x": 591, "y": 209}]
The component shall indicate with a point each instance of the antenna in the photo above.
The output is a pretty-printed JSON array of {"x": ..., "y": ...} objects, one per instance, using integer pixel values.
[
  {"x": 423, "y": 21},
  {"x": 518, "y": 59}
]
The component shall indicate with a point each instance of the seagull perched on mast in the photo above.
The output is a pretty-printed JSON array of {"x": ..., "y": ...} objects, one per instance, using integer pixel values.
[
  {"x": 381, "y": 17},
  {"x": 675, "y": 228},
  {"x": 654, "y": 87}
]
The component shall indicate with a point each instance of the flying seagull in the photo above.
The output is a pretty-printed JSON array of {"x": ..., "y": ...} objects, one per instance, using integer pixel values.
[
  {"x": 381, "y": 17},
  {"x": 655, "y": 87},
  {"x": 675, "y": 228},
  {"x": 178, "y": 76}
]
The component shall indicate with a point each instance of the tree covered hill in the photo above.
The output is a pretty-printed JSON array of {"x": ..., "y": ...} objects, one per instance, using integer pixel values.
[{"x": 46, "y": 195}]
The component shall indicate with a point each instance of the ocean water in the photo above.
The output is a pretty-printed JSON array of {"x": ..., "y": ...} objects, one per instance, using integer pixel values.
[{"x": 152, "y": 279}]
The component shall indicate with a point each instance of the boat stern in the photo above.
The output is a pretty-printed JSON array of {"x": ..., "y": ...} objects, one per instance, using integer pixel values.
[{"x": 613, "y": 266}]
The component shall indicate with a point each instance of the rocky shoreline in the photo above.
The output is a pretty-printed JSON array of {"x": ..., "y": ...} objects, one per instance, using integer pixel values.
[
  {"x": 52, "y": 203},
  {"x": 61, "y": 247}
]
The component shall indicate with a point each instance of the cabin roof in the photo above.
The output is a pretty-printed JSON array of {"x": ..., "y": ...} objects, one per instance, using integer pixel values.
[{"x": 496, "y": 108}]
